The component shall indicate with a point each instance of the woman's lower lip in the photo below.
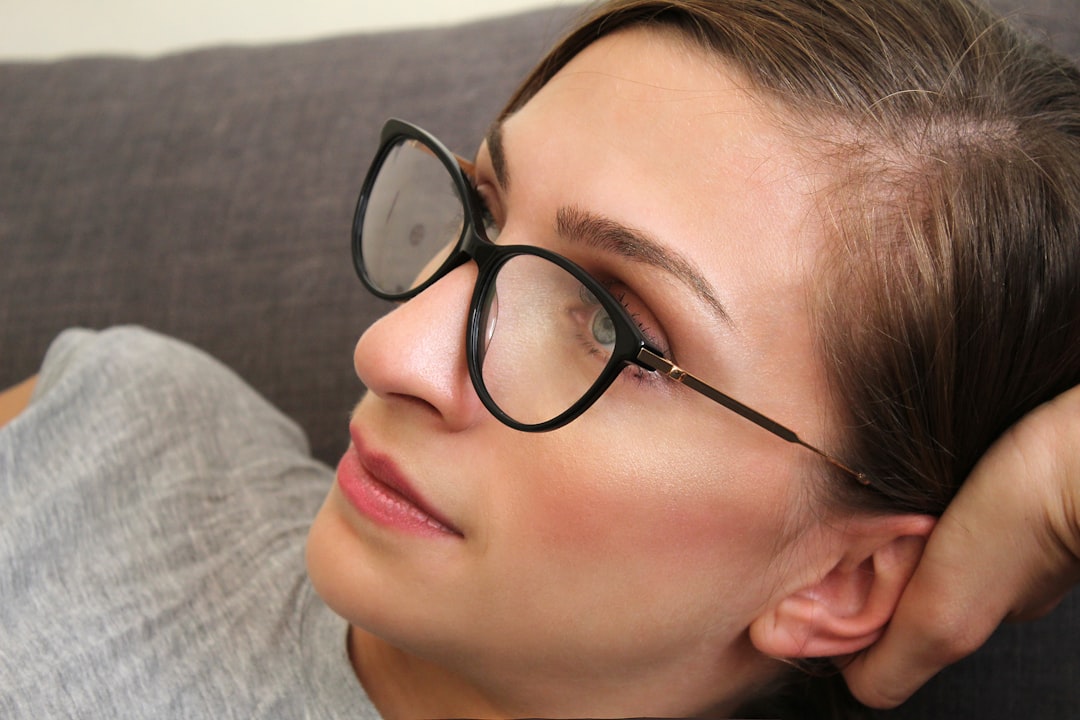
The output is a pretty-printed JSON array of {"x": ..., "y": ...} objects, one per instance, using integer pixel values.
[{"x": 382, "y": 504}]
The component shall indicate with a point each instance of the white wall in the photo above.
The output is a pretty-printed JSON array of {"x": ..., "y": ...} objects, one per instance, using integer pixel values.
[{"x": 45, "y": 29}]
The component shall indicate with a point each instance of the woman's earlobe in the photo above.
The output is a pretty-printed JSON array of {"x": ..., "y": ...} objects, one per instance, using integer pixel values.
[{"x": 847, "y": 607}]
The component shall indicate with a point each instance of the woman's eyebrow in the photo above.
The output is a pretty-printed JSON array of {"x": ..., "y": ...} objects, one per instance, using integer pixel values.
[{"x": 574, "y": 224}]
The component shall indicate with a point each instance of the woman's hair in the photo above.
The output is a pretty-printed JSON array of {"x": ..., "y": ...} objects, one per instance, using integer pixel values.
[{"x": 947, "y": 303}]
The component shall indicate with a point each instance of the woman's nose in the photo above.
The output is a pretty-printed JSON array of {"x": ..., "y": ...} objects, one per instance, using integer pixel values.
[{"x": 417, "y": 352}]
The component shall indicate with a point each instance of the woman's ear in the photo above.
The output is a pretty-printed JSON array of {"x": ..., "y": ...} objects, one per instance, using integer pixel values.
[{"x": 852, "y": 596}]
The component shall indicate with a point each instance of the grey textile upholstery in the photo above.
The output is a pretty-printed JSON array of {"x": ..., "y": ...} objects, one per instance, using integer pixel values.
[{"x": 209, "y": 195}]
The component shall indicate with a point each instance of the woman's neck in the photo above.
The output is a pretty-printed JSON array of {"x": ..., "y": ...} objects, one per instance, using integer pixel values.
[{"x": 401, "y": 685}]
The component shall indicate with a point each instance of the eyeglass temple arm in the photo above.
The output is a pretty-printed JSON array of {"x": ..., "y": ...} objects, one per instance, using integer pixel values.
[
  {"x": 467, "y": 166},
  {"x": 664, "y": 366}
]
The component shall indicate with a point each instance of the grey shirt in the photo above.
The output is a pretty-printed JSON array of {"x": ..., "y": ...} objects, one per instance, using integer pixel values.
[{"x": 153, "y": 514}]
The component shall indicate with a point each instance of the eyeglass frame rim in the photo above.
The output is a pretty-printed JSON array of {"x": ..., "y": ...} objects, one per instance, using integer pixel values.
[
  {"x": 473, "y": 244},
  {"x": 631, "y": 345}
]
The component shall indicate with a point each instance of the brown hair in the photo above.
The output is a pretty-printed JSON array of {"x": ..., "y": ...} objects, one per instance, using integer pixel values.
[{"x": 949, "y": 302}]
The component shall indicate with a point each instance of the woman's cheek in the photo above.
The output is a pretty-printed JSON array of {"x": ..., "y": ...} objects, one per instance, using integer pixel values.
[{"x": 597, "y": 508}]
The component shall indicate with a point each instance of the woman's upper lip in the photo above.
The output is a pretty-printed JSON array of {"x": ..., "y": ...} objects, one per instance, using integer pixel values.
[{"x": 385, "y": 470}]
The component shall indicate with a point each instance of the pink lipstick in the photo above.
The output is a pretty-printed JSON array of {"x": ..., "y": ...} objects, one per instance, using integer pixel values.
[{"x": 375, "y": 487}]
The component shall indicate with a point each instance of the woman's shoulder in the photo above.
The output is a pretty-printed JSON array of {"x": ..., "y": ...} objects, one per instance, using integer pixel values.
[
  {"x": 156, "y": 515},
  {"x": 125, "y": 420},
  {"x": 130, "y": 357},
  {"x": 136, "y": 441},
  {"x": 122, "y": 379}
]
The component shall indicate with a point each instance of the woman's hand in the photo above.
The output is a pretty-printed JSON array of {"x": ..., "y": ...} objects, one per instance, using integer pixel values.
[{"x": 1007, "y": 548}]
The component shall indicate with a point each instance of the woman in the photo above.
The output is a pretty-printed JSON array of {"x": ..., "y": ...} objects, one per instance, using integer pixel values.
[
  {"x": 783, "y": 216},
  {"x": 813, "y": 225}
]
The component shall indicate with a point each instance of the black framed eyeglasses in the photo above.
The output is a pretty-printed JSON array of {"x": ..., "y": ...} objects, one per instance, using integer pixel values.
[{"x": 544, "y": 339}]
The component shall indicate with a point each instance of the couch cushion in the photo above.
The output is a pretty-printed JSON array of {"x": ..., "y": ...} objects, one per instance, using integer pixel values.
[{"x": 209, "y": 195}]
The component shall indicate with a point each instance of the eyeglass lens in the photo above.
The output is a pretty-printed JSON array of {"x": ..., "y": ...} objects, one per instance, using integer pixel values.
[
  {"x": 544, "y": 339},
  {"x": 412, "y": 220}
]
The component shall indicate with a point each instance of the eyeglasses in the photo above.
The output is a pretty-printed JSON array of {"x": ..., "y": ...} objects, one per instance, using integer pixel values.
[{"x": 544, "y": 339}]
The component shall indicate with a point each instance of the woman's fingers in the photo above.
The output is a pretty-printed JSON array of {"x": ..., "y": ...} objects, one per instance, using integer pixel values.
[{"x": 1008, "y": 547}]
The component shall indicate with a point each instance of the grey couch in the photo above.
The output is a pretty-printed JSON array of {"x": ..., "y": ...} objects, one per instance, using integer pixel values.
[{"x": 209, "y": 195}]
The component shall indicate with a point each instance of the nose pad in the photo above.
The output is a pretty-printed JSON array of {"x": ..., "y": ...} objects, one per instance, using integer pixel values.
[{"x": 418, "y": 351}]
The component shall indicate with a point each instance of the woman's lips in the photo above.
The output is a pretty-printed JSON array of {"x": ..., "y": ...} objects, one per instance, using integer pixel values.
[{"x": 376, "y": 488}]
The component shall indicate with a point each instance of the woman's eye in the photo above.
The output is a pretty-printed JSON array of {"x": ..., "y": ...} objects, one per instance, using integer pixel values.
[
  {"x": 603, "y": 327},
  {"x": 598, "y": 329},
  {"x": 492, "y": 226}
]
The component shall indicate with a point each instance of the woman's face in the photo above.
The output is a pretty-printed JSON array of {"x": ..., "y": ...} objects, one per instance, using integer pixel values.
[{"x": 611, "y": 566}]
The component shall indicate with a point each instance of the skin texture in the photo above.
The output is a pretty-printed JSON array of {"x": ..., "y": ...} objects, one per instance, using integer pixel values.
[
  {"x": 641, "y": 559},
  {"x": 14, "y": 400},
  {"x": 1007, "y": 548}
]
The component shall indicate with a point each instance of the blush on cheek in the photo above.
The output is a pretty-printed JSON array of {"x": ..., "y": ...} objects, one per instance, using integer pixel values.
[{"x": 654, "y": 521}]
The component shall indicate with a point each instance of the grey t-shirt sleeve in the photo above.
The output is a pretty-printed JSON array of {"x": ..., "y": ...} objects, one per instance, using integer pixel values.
[{"x": 155, "y": 510}]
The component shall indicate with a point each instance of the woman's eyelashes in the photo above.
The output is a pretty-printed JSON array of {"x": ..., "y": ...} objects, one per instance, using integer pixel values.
[
  {"x": 484, "y": 197},
  {"x": 599, "y": 336},
  {"x": 640, "y": 315},
  {"x": 597, "y": 330}
]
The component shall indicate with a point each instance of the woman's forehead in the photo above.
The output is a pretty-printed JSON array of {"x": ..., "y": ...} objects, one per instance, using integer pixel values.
[
  {"x": 690, "y": 116},
  {"x": 654, "y": 75},
  {"x": 677, "y": 133},
  {"x": 648, "y": 131}
]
